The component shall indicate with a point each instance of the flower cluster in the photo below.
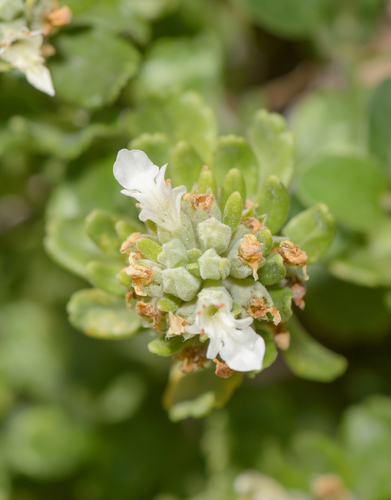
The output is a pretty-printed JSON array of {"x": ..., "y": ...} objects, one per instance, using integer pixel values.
[
  {"x": 202, "y": 268},
  {"x": 23, "y": 26}
]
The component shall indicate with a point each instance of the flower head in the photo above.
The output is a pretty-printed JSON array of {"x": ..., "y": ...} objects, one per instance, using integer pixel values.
[
  {"x": 21, "y": 48},
  {"x": 144, "y": 181},
  {"x": 233, "y": 339}
]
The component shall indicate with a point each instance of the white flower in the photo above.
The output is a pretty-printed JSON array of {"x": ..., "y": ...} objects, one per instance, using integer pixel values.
[
  {"x": 236, "y": 342},
  {"x": 144, "y": 181},
  {"x": 22, "y": 49}
]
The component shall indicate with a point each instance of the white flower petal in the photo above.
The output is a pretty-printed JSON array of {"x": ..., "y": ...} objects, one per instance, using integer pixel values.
[
  {"x": 133, "y": 170},
  {"x": 39, "y": 77},
  {"x": 243, "y": 350},
  {"x": 236, "y": 342},
  {"x": 144, "y": 181}
]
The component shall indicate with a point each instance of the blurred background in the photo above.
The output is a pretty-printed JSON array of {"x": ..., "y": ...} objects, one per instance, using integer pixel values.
[{"x": 82, "y": 418}]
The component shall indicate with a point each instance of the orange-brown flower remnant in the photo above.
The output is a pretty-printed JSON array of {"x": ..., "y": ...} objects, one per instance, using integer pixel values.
[
  {"x": 191, "y": 357},
  {"x": 258, "y": 309},
  {"x": 222, "y": 369},
  {"x": 140, "y": 275},
  {"x": 177, "y": 325},
  {"x": 127, "y": 245},
  {"x": 150, "y": 311},
  {"x": 293, "y": 256},
  {"x": 252, "y": 224},
  {"x": 329, "y": 487},
  {"x": 200, "y": 201},
  {"x": 56, "y": 17},
  {"x": 299, "y": 291},
  {"x": 250, "y": 253}
]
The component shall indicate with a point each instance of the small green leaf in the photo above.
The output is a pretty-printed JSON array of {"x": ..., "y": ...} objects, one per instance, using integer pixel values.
[
  {"x": 168, "y": 303},
  {"x": 282, "y": 300},
  {"x": 166, "y": 347},
  {"x": 351, "y": 187},
  {"x": 309, "y": 359},
  {"x": 273, "y": 200},
  {"x": 196, "y": 394},
  {"x": 312, "y": 231},
  {"x": 103, "y": 275},
  {"x": 233, "y": 181},
  {"x": 100, "y": 315},
  {"x": 273, "y": 146},
  {"x": 185, "y": 165},
  {"x": 206, "y": 181},
  {"x": 79, "y": 79},
  {"x": 234, "y": 152},
  {"x": 124, "y": 279},
  {"x": 100, "y": 226},
  {"x": 270, "y": 348},
  {"x": 273, "y": 271},
  {"x": 149, "y": 248},
  {"x": 233, "y": 210},
  {"x": 67, "y": 244}
]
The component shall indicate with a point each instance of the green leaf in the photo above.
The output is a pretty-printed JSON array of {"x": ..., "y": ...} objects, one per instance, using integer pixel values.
[
  {"x": 273, "y": 200},
  {"x": 124, "y": 229},
  {"x": 273, "y": 271},
  {"x": 67, "y": 244},
  {"x": 168, "y": 303},
  {"x": 206, "y": 182},
  {"x": 180, "y": 63},
  {"x": 350, "y": 186},
  {"x": 282, "y": 300},
  {"x": 271, "y": 352},
  {"x": 309, "y": 359},
  {"x": 103, "y": 276},
  {"x": 100, "y": 226},
  {"x": 233, "y": 181},
  {"x": 100, "y": 315},
  {"x": 312, "y": 231},
  {"x": 233, "y": 211},
  {"x": 379, "y": 120},
  {"x": 157, "y": 147},
  {"x": 293, "y": 18},
  {"x": 44, "y": 443},
  {"x": 185, "y": 165},
  {"x": 234, "y": 152},
  {"x": 79, "y": 78},
  {"x": 273, "y": 146},
  {"x": 167, "y": 347},
  {"x": 196, "y": 394},
  {"x": 150, "y": 249}
]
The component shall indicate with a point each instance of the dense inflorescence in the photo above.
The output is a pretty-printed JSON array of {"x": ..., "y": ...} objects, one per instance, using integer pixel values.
[{"x": 208, "y": 269}]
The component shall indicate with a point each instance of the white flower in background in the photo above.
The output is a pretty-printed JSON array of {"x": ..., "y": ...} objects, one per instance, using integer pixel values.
[
  {"x": 144, "y": 181},
  {"x": 10, "y": 9},
  {"x": 236, "y": 342},
  {"x": 22, "y": 50}
]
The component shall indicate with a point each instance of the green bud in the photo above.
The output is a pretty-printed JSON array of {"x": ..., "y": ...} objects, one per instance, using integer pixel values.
[
  {"x": 174, "y": 254},
  {"x": 124, "y": 279},
  {"x": 181, "y": 283},
  {"x": 166, "y": 347},
  {"x": 100, "y": 228},
  {"x": 155, "y": 287},
  {"x": 194, "y": 269},
  {"x": 233, "y": 210},
  {"x": 273, "y": 271},
  {"x": 242, "y": 291},
  {"x": 185, "y": 233},
  {"x": 168, "y": 303},
  {"x": 238, "y": 268},
  {"x": 214, "y": 234},
  {"x": 273, "y": 200},
  {"x": 149, "y": 248},
  {"x": 194, "y": 254},
  {"x": 206, "y": 181},
  {"x": 265, "y": 238},
  {"x": 282, "y": 300},
  {"x": 233, "y": 181},
  {"x": 212, "y": 266}
]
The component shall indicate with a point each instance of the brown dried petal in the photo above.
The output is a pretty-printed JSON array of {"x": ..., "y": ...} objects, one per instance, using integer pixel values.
[
  {"x": 258, "y": 309},
  {"x": 140, "y": 275},
  {"x": 60, "y": 17},
  {"x": 129, "y": 242},
  {"x": 282, "y": 340},
  {"x": 222, "y": 369},
  {"x": 191, "y": 356},
  {"x": 150, "y": 311},
  {"x": 177, "y": 325},
  {"x": 252, "y": 224},
  {"x": 299, "y": 291},
  {"x": 200, "y": 201},
  {"x": 250, "y": 253},
  {"x": 329, "y": 487}
]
